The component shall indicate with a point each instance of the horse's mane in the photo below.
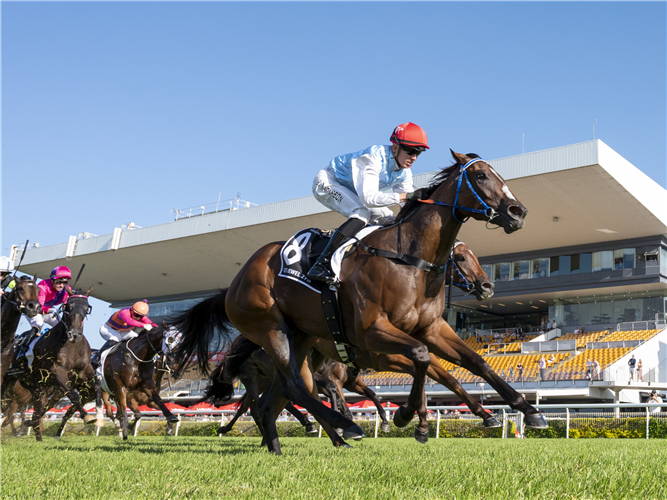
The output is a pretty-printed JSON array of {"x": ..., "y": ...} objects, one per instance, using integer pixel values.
[{"x": 437, "y": 180}]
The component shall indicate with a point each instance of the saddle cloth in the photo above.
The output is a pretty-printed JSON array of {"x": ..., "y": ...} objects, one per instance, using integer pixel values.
[
  {"x": 300, "y": 252},
  {"x": 100, "y": 371}
]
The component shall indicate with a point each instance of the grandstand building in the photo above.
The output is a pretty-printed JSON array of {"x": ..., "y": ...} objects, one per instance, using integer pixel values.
[{"x": 593, "y": 253}]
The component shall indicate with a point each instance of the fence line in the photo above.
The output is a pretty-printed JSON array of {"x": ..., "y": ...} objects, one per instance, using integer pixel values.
[{"x": 502, "y": 412}]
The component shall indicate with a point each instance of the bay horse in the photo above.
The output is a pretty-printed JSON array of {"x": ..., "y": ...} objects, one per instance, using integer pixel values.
[
  {"x": 388, "y": 305},
  {"x": 135, "y": 398},
  {"x": 129, "y": 367},
  {"x": 23, "y": 299},
  {"x": 61, "y": 362}
]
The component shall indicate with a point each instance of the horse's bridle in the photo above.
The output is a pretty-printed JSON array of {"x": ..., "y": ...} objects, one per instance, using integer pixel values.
[
  {"x": 76, "y": 304},
  {"x": 156, "y": 353},
  {"x": 465, "y": 284},
  {"x": 488, "y": 211},
  {"x": 20, "y": 306}
]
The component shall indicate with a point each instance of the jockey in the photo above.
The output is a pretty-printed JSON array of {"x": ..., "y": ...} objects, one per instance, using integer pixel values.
[
  {"x": 52, "y": 292},
  {"x": 362, "y": 185},
  {"x": 123, "y": 325},
  {"x": 6, "y": 268}
]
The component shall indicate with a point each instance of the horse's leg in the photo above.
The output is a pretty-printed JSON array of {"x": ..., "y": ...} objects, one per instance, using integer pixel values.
[
  {"x": 245, "y": 404},
  {"x": 278, "y": 343},
  {"x": 382, "y": 336},
  {"x": 401, "y": 364},
  {"x": 64, "y": 384},
  {"x": 68, "y": 414},
  {"x": 329, "y": 389},
  {"x": 358, "y": 386},
  {"x": 301, "y": 418},
  {"x": 443, "y": 342},
  {"x": 342, "y": 404},
  {"x": 134, "y": 406},
  {"x": 153, "y": 392},
  {"x": 39, "y": 400},
  {"x": 121, "y": 400}
]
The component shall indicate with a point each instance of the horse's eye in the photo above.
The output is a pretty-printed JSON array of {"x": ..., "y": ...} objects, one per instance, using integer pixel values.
[
  {"x": 460, "y": 258},
  {"x": 481, "y": 176}
]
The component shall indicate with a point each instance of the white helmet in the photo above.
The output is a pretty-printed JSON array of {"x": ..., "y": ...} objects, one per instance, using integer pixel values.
[{"x": 6, "y": 264}]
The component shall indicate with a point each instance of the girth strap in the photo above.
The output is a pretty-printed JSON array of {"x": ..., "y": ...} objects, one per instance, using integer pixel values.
[{"x": 334, "y": 322}]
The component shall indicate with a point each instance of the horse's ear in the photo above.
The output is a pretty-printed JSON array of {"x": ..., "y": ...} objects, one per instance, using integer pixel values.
[
  {"x": 89, "y": 291},
  {"x": 460, "y": 158}
]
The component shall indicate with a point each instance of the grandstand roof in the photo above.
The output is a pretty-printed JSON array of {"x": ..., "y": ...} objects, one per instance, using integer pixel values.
[{"x": 595, "y": 194}]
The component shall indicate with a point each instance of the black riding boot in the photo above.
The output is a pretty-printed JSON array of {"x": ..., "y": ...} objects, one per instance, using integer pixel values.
[
  {"x": 321, "y": 271},
  {"x": 95, "y": 360}
]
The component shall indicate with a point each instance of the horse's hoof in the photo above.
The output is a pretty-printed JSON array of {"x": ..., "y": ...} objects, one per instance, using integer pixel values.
[
  {"x": 223, "y": 430},
  {"x": 89, "y": 419},
  {"x": 399, "y": 419},
  {"x": 345, "y": 445},
  {"x": 173, "y": 419},
  {"x": 353, "y": 432},
  {"x": 170, "y": 432},
  {"x": 421, "y": 437},
  {"x": 384, "y": 427},
  {"x": 311, "y": 429},
  {"x": 492, "y": 423},
  {"x": 536, "y": 421}
]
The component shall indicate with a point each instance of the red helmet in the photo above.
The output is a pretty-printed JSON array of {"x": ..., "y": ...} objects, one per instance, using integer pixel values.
[
  {"x": 411, "y": 135},
  {"x": 61, "y": 272}
]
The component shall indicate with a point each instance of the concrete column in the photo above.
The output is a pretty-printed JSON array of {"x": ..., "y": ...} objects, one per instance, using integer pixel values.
[{"x": 617, "y": 399}]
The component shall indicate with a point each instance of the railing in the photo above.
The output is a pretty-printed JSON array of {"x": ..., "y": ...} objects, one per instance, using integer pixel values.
[
  {"x": 549, "y": 346},
  {"x": 614, "y": 344},
  {"x": 636, "y": 325},
  {"x": 213, "y": 207},
  {"x": 574, "y": 417}
]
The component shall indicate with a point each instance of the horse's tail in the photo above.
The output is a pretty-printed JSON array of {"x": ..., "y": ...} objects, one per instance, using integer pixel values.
[
  {"x": 204, "y": 328},
  {"x": 221, "y": 387}
]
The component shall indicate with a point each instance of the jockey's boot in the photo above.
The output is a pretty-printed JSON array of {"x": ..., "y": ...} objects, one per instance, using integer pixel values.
[
  {"x": 321, "y": 271},
  {"x": 95, "y": 360}
]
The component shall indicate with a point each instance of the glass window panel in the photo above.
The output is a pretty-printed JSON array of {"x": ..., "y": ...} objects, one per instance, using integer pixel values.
[
  {"x": 564, "y": 265},
  {"x": 607, "y": 260},
  {"x": 663, "y": 261},
  {"x": 628, "y": 258},
  {"x": 555, "y": 270},
  {"x": 575, "y": 263},
  {"x": 504, "y": 274},
  {"x": 488, "y": 269},
  {"x": 535, "y": 268},
  {"x": 496, "y": 272},
  {"x": 524, "y": 269},
  {"x": 585, "y": 262},
  {"x": 618, "y": 259},
  {"x": 515, "y": 270},
  {"x": 596, "y": 261}
]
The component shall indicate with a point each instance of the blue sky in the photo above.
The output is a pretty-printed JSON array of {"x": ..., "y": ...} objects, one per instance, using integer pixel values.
[{"x": 117, "y": 112}]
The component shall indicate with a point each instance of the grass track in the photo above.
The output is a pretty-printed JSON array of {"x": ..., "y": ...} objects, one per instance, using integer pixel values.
[{"x": 198, "y": 467}]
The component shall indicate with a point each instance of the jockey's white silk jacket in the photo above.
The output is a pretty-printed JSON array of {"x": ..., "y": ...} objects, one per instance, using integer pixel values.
[{"x": 373, "y": 174}]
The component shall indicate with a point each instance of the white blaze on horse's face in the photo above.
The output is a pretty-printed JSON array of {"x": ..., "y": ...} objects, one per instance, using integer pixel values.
[{"x": 506, "y": 190}]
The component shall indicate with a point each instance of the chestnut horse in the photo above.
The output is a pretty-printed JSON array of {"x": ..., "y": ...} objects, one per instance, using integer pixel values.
[
  {"x": 389, "y": 305},
  {"x": 61, "y": 361},
  {"x": 23, "y": 299}
]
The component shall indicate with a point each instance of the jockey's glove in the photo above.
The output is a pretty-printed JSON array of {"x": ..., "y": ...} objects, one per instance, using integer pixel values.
[{"x": 417, "y": 194}]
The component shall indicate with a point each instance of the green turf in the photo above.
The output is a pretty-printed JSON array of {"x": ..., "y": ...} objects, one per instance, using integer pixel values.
[{"x": 391, "y": 468}]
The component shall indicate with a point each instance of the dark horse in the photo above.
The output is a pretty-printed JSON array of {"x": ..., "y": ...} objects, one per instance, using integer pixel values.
[
  {"x": 387, "y": 306},
  {"x": 24, "y": 299},
  {"x": 61, "y": 361},
  {"x": 129, "y": 367}
]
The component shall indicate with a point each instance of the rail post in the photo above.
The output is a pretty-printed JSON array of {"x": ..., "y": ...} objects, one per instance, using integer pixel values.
[
  {"x": 504, "y": 435},
  {"x": 567, "y": 423},
  {"x": 222, "y": 423},
  {"x": 136, "y": 427},
  {"x": 178, "y": 425},
  {"x": 647, "y": 417},
  {"x": 437, "y": 426}
]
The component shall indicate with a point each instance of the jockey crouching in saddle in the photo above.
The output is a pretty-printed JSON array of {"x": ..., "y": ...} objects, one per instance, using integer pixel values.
[
  {"x": 357, "y": 186},
  {"x": 123, "y": 325},
  {"x": 52, "y": 292}
]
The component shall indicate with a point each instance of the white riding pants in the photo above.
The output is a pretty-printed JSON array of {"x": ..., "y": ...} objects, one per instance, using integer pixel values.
[
  {"x": 38, "y": 320},
  {"x": 330, "y": 193},
  {"x": 108, "y": 333}
]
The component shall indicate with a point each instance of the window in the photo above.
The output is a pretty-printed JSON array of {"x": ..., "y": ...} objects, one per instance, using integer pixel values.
[
  {"x": 488, "y": 269},
  {"x": 555, "y": 270},
  {"x": 628, "y": 258},
  {"x": 618, "y": 259},
  {"x": 521, "y": 270},
  {"x": 564, "y": 265},
  {"x": 501, "y": 272},
  {"x": 584, "y": 262},
  {"x": 539, "y": 268}
]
